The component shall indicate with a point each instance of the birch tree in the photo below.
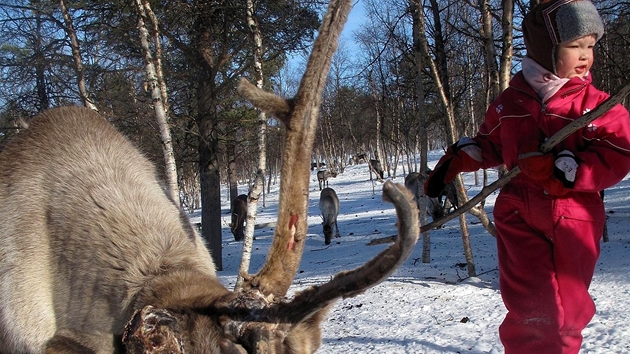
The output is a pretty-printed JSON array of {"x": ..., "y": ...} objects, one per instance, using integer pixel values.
[
  {"x": 439, "y": 74},
  {"x": 507, "y": 50},
  {"x": 158, "y": 99},
  {"x": 487, "y": 37},
  {"x": 259, "y": 182},
  {"x": 76, "y": 55}
]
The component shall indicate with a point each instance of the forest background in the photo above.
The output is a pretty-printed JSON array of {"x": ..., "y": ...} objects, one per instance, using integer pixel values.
[{"x": 413, "y": 76}]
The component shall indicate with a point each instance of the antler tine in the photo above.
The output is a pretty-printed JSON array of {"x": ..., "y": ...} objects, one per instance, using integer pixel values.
[
  {"x": 309, "y": 93},
  {"x": 266, "y": 101},
  {"x": 354, "y": 282}
]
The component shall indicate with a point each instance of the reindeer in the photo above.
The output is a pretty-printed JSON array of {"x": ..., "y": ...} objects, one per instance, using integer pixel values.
[
  {"x": 323, "y": 176},
  {"x": 239, "y": 214},
  {"x": 436, "y": 207},
  {"x": 376, "y": 167},
  {"x": 317, "y": 165},
  {"x": 357, "y": 159},
  {"x": 329, "y": 207},
  {"x": 103, "y": 261}
]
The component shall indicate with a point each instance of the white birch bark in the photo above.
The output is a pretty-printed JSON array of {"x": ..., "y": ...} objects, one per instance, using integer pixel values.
[
  {"x": 154, "y": 85},
  {"x": 259, "y": 182}
]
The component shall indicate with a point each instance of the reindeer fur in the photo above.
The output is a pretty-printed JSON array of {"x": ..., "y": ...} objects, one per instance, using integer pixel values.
[
  {"x": 88, "y": 236},
  {"x": 239, "y": 215},
  {"x": 329, "y": 207}
]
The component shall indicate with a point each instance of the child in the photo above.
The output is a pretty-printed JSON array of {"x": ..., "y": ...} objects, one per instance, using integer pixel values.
[{"x": 550, "y": 217}]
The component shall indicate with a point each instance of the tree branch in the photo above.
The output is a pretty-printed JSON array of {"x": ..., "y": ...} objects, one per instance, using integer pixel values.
[{"x": 546, "y": 147}]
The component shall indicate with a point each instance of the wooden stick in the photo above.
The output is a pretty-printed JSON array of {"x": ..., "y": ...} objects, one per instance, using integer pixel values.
[{"x": 545, "y": 147}]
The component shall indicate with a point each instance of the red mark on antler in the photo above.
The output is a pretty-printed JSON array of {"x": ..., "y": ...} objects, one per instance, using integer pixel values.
[{"x": 292, "y": 229}]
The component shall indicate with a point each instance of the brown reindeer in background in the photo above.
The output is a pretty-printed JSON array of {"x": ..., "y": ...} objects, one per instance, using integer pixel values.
[
  {"x": 239, "y": 214},
  {"x": 95, "y": 258},
  {"x": 376, "y": 167},
  {"x": 323, "y": 176},
  {"x": 329, "y": 207}
]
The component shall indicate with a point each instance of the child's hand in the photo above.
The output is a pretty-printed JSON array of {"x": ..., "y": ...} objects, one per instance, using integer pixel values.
[
  {"x": 534, "y": 164},
  {"x": 464, "y": 155},
  {"x": 557, "y": 173},
  {"x": 566, "y": 168},
  {"x": 563, "y": 179}
]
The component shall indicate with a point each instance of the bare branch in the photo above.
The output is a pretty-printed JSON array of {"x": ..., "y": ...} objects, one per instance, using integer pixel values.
[{"x": 546, "y": 147}]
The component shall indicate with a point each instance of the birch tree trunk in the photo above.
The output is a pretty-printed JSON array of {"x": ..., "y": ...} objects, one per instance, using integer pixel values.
[
  {"x": 487, "y": 36},
  {"x": 507, "y": 26},
  {"x": 76, "y": 55},
  {"x": 418, "y": 28},
  {"x": 158, "y": 54},
  {"x": 259, "y": 182},
  {"x": 379, "y": 123},
  {"x": 158, "y": 102}
]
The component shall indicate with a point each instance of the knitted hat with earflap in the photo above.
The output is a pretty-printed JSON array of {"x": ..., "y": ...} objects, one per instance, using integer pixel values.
[{"x": 553, "y": 22}]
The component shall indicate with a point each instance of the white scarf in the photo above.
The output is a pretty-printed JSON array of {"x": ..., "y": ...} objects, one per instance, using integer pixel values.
[{"x": 544, "y": 82}]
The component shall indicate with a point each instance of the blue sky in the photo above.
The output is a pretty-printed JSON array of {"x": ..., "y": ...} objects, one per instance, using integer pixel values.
[{"x": 356, "y": 17}]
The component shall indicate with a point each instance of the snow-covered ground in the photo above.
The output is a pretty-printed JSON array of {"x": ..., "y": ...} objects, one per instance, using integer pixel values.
[{"x": 430, "y": 307}]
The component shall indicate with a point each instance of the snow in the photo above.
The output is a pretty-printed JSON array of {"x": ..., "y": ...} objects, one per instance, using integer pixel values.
[{"x": 429, "y": 307}]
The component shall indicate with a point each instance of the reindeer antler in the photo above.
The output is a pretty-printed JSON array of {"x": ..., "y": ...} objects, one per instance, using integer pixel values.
[
  {"x": 351, "y": 283},
  {"x": 300, "y": 116},
  {"x": 253, "y": 319}
]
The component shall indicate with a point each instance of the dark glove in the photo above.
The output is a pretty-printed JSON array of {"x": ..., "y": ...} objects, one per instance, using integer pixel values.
[
  {"x": 563, "y": 179},
  {"x": 464, "y": 155}
]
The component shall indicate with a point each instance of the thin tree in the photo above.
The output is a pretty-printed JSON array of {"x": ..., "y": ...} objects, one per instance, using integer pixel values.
[
  {"x": 439, "y": 70},
  {"x": 487, "y": 37},
  {"x": 39, "y": 55},
  {"x": 76, "y": 55},
  {"x": 259, "y": 182},
  {"x": 418, "y": 27},
  {"x": 158, "y": 54},
  {"x": 507, "y": 50},
  {"x": 157, "y": 96},
  {"x": 379, "y": 126}
]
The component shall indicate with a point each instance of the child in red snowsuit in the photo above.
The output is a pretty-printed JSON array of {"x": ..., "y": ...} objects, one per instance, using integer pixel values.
[{"x": 550, "y": 217}]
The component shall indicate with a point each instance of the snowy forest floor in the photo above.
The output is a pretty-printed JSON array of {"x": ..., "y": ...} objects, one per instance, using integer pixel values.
[{"x": 432, "y": 307}]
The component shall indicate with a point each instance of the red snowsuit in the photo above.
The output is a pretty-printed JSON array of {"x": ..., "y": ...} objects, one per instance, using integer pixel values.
[{"x": 548, "y": 246}]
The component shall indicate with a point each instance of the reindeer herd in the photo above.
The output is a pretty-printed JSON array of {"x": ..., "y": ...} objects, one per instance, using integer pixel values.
[
  {"x": 414, "y": 182},
  {"x": 329, "y": 203}
]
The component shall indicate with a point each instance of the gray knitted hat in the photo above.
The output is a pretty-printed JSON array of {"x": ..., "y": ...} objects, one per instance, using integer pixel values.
[{"x": 554, "y": 22}]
